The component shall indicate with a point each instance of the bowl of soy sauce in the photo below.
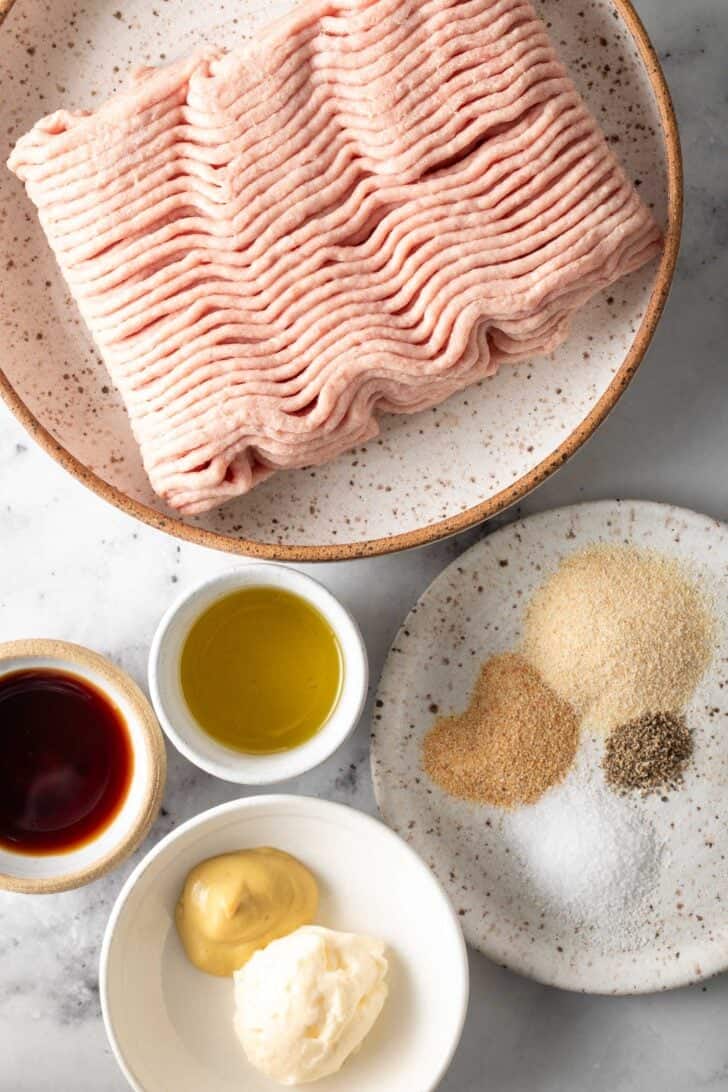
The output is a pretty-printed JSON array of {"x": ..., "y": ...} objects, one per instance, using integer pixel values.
[{"x": 82, "y": 765}]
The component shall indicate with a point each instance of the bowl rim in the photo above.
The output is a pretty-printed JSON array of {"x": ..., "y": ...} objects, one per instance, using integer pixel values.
[
  {"x": 282, "y": 800},
  {"x": 353, "y": 651},
  {"x": 68, "y": 653},
  {"x": 499, "y": 502}
]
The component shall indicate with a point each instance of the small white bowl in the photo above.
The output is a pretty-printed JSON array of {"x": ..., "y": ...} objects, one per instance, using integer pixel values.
[
  {"x": 49, "y": 872},
  {"x": 171, "y": 1026},
  {"x": 182, "y": 728}
]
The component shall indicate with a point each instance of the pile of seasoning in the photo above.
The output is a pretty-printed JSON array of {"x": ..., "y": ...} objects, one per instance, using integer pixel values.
[
  {"x": 591, "y": 857},
  {"x": 615, "y": 633},
  {"x": 514, "y": 741},
  {"x": 619, "y": 632},
  {"x": 648, "y": 754}
]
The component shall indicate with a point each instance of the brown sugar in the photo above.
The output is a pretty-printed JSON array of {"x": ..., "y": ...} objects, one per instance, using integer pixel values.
[{"x": 515, "y": 739}]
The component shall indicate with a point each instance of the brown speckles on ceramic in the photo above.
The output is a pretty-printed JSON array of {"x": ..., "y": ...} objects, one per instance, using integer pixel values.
[
  {"x": 472, "y": 849},
  {"x": 504, "y": 436}
]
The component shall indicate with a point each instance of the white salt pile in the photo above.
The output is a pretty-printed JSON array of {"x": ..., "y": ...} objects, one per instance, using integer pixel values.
[{"x": 590, "y": 857}]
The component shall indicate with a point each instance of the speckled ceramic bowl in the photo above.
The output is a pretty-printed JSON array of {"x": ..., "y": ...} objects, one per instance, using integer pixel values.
[
  {"x": 474, "y": 609},
  {"x": 426, "y": 476},
  {"x": 38, "y": 874}
]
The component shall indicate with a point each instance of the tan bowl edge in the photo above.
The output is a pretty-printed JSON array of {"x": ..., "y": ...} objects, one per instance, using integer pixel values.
[
  {"x": 479, "y": 512},
  {"x": 156, "y": 752}
]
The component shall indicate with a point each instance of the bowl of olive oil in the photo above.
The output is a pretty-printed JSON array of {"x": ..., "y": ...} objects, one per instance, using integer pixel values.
[{"x": 258, "y": 675}]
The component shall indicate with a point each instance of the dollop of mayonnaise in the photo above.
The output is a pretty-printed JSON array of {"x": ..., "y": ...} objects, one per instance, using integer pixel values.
[
  {"x": 306, "y": 1002},
  {"x": 235, "y": 904}
]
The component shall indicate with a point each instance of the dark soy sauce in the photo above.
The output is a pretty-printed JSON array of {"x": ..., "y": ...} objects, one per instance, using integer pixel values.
[{"x": 65, "y": 761}]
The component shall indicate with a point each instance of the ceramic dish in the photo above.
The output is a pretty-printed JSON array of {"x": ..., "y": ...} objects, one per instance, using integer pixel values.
[
  {"x": 170, "y": 1025},
  {"x": 473, "y": 609},
  {"x": 40, "y": 874},
  {"x": 426, "y": 476},
  {"x": 181, "y": 727}
]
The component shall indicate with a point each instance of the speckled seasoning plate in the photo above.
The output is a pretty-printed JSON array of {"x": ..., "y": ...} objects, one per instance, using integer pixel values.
[
  {"x": 472, "y": 610},
  {"x": 426, "y": 476}
]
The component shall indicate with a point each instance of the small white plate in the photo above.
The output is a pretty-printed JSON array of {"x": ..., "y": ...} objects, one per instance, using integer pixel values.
[
  {"x": 170, "y": 1025},
  {"x": 474, "y": 609}
]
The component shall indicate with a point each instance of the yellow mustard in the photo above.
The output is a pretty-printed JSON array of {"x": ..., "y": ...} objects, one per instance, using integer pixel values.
[{"x": 236, "y": 903}]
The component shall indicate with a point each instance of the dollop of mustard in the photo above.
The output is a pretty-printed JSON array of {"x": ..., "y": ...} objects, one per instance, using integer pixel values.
[{"x": 236, "y": 903}]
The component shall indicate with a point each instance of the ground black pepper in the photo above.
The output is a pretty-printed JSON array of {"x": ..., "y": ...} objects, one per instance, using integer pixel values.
[{"x": 649, "y": 753}]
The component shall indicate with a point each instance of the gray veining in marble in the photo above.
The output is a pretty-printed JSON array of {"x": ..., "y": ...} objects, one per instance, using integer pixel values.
[{"x": 72, "y": 567}]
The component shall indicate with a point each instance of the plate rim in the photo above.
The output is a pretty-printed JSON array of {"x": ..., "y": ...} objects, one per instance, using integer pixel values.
[
  {"x": 486, "y": 509},
  {"x": 694, "y": 953},
  {"x": 278, "y": 800}
]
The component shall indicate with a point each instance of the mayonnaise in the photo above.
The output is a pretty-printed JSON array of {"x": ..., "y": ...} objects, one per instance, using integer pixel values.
[{"x": 307, "y": 1001}]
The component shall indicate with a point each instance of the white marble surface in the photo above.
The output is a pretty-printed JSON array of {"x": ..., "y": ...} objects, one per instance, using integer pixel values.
[{"x": 72, "y": 567}]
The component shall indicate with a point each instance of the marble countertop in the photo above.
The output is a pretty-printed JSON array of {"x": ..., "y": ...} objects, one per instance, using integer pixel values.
[{"x": 75, "y": 568}]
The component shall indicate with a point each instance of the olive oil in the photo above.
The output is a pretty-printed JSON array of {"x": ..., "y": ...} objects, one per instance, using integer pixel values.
[{"x": 261, "y": 670}]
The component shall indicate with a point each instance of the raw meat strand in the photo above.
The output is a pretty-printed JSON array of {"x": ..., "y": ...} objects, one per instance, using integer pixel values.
[
  {"x": 117, "y": 257},
  {"x": 263, "y": 237},
  {"x": 159, "y": 83},
  {"x": 259, "y": 275},
  {"x": 405, "y": 276},
  {"x": 425, "y": 216},
  {"x": 361, "y": 365}
]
